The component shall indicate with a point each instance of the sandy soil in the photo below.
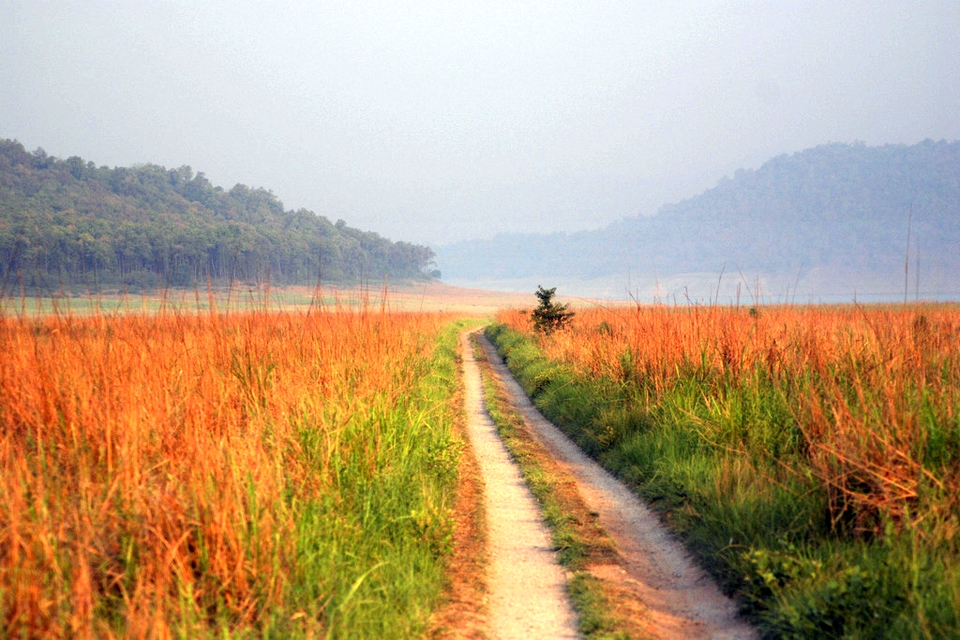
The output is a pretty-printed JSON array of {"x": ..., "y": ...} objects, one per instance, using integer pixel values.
[
  {"x": 525, "y": 585},
  {"x": 678, "y": 599}
]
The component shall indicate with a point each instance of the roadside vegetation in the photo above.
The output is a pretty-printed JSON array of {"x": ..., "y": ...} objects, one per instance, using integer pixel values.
[
  {"x": 808, "y": 456},
  {"x": 247, "y": 474}
]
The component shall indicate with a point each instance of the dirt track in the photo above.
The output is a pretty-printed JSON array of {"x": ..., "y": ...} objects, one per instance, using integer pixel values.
[
  {"x": 526, "y": 586},
  {"x": 679, "y": 600}
]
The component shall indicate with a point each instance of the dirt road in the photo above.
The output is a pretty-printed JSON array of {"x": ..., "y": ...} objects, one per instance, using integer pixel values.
[
  {"x": 679, "y": 600},
  {"x": 526, "y": 586}
]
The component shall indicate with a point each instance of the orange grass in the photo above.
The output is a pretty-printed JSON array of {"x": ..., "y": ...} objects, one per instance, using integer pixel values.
[
  {"x": 875, "y": 391},
  {"x": 151, "y": 466}
]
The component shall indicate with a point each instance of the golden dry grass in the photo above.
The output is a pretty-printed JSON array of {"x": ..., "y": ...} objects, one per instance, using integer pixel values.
[
  {"x": 874, "y": 390},
  {"x": 152, "y": 466}
]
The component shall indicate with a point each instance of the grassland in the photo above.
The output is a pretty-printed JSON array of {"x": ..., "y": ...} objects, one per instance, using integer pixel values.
[
  {"x": 810, "y": 457},
  {"x": 258, "y": 296},
  {"x": 246, "y": 474},
  {"x": 266, "y": 463}
]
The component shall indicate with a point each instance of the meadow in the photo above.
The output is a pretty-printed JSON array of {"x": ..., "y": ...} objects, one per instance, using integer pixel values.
[
  {"x": 223, "y": 467},
  {"x": 808, "y": 456},
  {"x": 257, "y": 473},
  {"x": 256, "y": 296}
]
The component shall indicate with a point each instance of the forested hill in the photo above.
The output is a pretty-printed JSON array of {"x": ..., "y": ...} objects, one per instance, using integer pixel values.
[
  {"x": 69, "y": 222},
  {"x": 840, "y": 209}
]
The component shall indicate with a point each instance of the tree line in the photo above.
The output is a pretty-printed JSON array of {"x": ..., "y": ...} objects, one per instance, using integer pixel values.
[{"x": 69, "y": 223}]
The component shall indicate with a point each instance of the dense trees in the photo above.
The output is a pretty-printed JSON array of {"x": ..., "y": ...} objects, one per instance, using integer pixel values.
[{"x": 69, "y": 222}]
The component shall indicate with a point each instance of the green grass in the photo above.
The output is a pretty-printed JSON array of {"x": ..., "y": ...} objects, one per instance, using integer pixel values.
[
  {"x": 370, "y": 559},
  {"x": 380, "y": 545},
  {"x": 724, "y": 464}
]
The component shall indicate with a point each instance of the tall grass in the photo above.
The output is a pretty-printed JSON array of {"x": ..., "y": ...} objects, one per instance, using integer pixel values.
[
  {"x": 254, "y": 473},
  {"x": 810, "y": 456}
]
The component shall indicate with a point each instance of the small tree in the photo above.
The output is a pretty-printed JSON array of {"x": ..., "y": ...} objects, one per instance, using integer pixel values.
[{"x": 549, "y": 315}]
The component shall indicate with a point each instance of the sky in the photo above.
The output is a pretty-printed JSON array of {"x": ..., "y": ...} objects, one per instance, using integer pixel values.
[{"x": 438, "y": 121}]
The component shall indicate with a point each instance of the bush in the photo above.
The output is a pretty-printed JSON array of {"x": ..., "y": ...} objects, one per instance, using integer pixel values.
[{"x": 549, "y": 315}]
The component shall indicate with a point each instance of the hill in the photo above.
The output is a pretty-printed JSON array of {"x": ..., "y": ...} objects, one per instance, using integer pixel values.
[
  {"x": 70, "y": 223},
  {"x": 831, "y": 220}
]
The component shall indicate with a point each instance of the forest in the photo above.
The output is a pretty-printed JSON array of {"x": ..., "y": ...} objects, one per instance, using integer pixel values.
[{"x": 70, "y": 224}]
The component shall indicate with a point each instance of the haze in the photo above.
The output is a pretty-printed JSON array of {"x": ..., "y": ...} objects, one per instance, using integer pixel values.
[{"x": 433, "y": 122}]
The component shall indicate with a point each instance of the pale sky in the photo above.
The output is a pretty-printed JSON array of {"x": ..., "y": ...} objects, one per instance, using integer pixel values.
[{"x": 439, "y": 121}]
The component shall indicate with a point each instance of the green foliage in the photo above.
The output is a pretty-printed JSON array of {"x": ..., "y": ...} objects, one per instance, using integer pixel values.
[
  {"x": 379, "y": 544},
  {"x": 70, "y": 223},
  {"x": 549, "y": 316}
]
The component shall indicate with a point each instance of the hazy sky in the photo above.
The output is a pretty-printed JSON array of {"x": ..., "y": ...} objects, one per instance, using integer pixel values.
[{"x": 438, "y": 121}]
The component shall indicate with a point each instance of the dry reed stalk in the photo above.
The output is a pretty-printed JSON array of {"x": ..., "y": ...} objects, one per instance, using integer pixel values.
[{"x": 146, "y": 462}]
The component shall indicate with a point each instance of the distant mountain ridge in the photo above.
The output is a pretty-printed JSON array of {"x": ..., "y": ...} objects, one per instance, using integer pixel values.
[
  {"x": 70, "y": 223},
  {"x": 836, "y": 215}
]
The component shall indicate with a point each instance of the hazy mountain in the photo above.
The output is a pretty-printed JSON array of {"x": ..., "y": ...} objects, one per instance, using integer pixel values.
[
  {"x": 832, "y": 220},
  {"x": 71, "y": 223}
]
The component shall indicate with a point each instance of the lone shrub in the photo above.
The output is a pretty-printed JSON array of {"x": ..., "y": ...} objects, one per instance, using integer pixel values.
[{"x": 549, "y": 315}]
